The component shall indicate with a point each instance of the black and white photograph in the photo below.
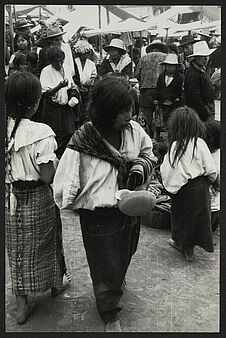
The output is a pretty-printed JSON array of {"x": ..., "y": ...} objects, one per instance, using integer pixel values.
[{"x": 112, "y": 168}]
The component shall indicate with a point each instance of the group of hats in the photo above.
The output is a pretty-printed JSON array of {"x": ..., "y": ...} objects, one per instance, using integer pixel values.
[{"x": 200, "y": 48}]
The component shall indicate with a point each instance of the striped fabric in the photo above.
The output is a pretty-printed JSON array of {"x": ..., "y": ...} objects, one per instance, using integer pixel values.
[{"x": 33, "y": 242}]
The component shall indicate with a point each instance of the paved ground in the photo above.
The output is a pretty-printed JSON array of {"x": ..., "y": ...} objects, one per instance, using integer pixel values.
[{"x": 164, "y": 293}]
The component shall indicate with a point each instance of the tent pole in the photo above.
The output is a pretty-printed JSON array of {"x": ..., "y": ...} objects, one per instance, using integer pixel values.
[
  {"x": 11, "y": 31},
  {"x": 100, "y": 37}
]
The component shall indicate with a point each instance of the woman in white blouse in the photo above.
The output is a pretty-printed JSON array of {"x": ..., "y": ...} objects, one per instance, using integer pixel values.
[
  {"x": 97, "y": 162},
  {"x": 56, "y": 81},
  {"x": 83, "y": 51},
  {"x": 32, "y": 234}
]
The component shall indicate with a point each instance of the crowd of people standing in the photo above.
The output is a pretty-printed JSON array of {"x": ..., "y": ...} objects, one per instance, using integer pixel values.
[{"x": 78, "y": 131}]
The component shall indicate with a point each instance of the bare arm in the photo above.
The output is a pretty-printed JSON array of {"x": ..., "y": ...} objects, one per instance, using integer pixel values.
[{"x": 47, "y": 172}]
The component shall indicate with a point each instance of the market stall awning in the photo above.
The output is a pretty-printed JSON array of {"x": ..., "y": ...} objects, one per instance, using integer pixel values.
[{"x": 129, "y": 25}]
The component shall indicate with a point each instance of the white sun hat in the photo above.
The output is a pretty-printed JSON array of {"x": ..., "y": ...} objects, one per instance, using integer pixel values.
[
  {"x": 171, "y": 59},
  {"x": 201, "y": 48}
]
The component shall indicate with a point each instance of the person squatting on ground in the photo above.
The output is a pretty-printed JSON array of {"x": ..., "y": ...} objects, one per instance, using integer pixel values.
[
  {"x": 212, "y": 138},
  {"x": 169, "y": 92},
  {"x": 101, "y": 158},
  {"x": 187, "y": 171},
  {"x": 33, "y": 238},
  {"x": 57, "y": 110}
]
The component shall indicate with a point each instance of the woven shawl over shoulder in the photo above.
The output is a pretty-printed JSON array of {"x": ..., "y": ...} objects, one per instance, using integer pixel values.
[{"x": 87, "y": 140}]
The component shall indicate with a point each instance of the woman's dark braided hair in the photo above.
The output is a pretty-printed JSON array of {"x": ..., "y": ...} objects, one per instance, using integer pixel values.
[
  {"x": 22, "y": 90},
  {"x": 184, "y": 125}
]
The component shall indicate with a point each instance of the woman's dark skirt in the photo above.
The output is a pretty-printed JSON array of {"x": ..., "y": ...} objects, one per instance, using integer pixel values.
[
  {"x": 110, "y": 239},
  {"x": 62, "y": 119},
  {"x": 191, "y": 215},
  {"x": 33, "y": 242}
]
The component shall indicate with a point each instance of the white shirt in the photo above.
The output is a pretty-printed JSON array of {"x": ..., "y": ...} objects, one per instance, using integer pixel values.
[
  {"x": 88, "y": 72},
  {"x": 84, "y": 181},
  {"x": 202, "y": 163},
  {"x": 50, "y": 78},
  {"x": 68, "y": 61},
  {"x": 215, "y": 199},
  {"x": 34, "y": 143}
]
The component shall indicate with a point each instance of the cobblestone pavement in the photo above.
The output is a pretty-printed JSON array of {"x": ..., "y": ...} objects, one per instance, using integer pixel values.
[{"x": 164, "y": 293}]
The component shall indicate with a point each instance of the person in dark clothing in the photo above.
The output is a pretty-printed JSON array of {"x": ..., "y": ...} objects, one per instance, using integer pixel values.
[
  {"x": 198, "y": 91},
  {"x": 117, "y": 61},
  {"x": 169, "y": 91}
]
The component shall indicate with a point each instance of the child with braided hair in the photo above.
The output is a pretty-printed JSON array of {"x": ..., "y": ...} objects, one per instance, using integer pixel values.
[{"x": 32, "y": 230}]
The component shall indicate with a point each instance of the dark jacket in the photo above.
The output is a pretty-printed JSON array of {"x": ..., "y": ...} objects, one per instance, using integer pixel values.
[
  {"x": 171, "y": 92},
  {"x": 198, "y": 92},
  {"x": 106, "y": 68}
]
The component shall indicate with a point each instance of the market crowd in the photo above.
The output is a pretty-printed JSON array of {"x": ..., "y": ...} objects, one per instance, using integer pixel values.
[{"x": 119, "y": 136}]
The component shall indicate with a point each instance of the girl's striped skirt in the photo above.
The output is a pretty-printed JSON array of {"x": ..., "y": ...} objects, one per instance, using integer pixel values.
[{"x": 33, "y": 241}]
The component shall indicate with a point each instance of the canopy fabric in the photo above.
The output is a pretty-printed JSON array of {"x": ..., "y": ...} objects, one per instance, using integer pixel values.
[{"x": 129, "y": 25}]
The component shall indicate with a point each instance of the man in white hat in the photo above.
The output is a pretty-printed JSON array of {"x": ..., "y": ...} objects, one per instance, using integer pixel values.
[
  {"x": 117, "y": 60},
  {"x": 198, "y": 91},
  {"x": 147, "y": 73}
]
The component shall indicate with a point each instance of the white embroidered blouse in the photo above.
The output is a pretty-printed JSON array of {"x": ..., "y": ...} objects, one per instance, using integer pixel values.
[
  {"x": 87, "y": 73},
  {"x": 50, "y": 77},
  {"x": 34, "y": 143},
  {"x": 84, "y": 181},
  {"x": 202, "y": 163}
]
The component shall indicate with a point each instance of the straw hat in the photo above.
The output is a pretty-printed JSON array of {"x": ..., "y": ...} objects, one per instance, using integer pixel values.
[
  {"x": 157, "y": 44},
  {"x": 201, "y": 48},
  {"x": 22, "y": 24},
  {"x": 171, "y": 59},
  {"x": 53, "y": 31},
  {"x": 135, "y": 203},
  {"x": 116, "y": 43},
  {"x": 186, "y": 39}
]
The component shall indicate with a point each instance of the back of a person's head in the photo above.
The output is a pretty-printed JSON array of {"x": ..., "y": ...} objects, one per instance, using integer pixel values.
[
  {"x": 184, "y": 124},
  {"x": 212, "y": 134},
  {"x": 32, "y": 57},
  {"x": 19, "y": 59},
  {"x": 172, "y": 48},
  {"x": 54, "y": 52},
  {"x": 109, "y": 97},
  {"x": 22, "y": 89}
]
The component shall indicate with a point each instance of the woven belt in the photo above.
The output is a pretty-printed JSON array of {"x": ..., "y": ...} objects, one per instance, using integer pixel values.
[{"x": 27, "y": 184}]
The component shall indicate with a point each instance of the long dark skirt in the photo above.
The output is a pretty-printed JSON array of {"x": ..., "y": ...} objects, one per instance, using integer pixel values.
[
  {"x": 62, "y": 119},
  {"x": 110, "y": 239},
  {"x": 33, "y": 242},
  {"x": 191, "y": 216}
]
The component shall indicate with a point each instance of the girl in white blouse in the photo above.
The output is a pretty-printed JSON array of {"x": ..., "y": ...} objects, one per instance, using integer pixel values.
[
  {"x": 31, "y": 225},
  {"x": 97, "y": 162},
  {"x": 187, "y": 170}
]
